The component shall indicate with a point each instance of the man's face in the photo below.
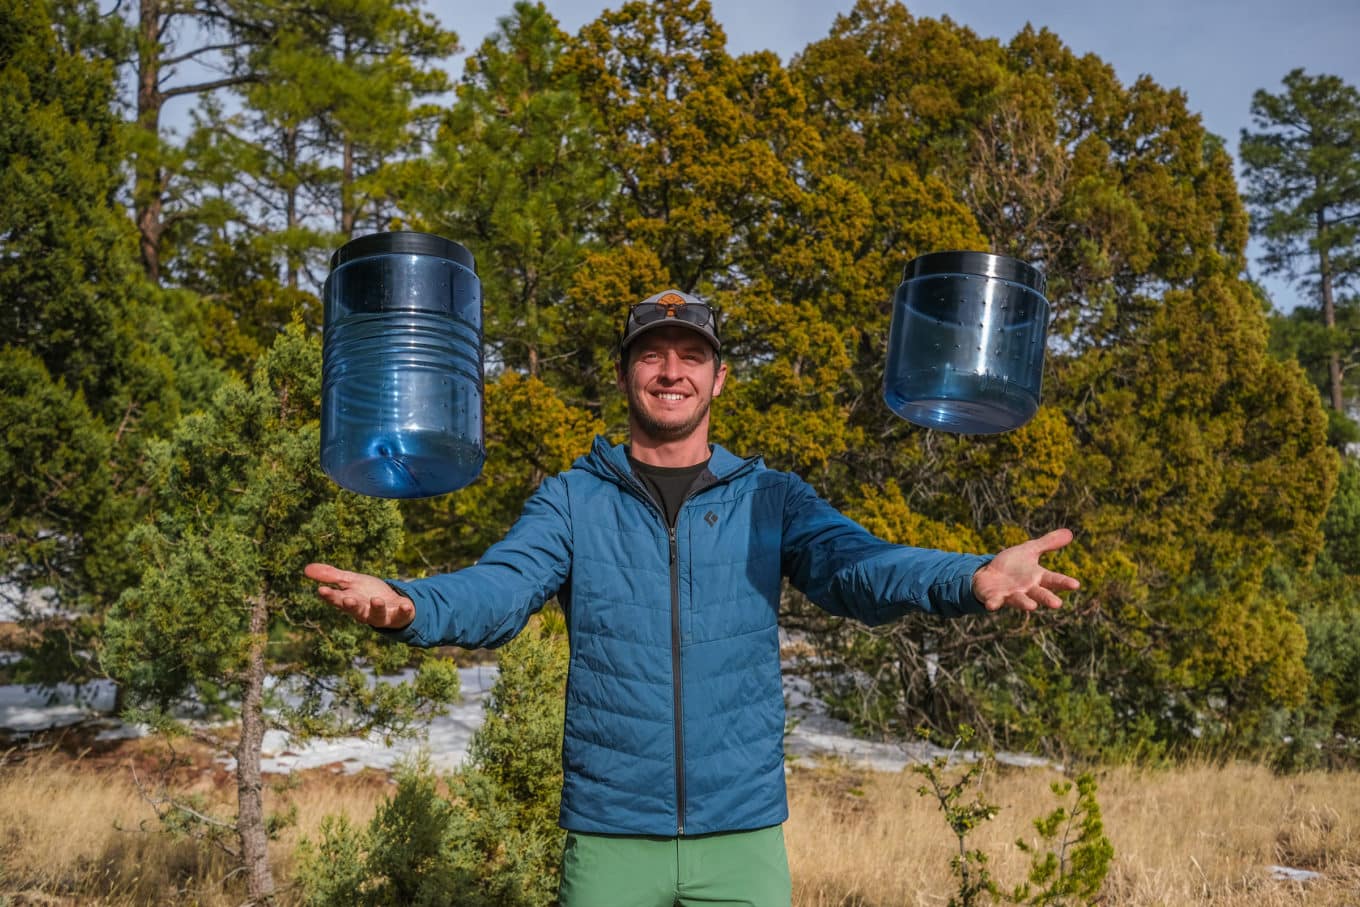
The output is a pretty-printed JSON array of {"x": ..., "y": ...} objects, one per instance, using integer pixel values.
[{"x": 671, "y": 375}]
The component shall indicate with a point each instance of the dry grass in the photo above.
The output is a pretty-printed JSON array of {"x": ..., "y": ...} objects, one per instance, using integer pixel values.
[
  {"x": 71, "y": 833},
  {"x": 1191, "y": 836},
  {"x": 83, "y": 832}
]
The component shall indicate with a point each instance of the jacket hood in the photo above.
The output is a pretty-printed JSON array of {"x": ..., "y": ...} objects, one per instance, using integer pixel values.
[{"x": 610, "y": 461}]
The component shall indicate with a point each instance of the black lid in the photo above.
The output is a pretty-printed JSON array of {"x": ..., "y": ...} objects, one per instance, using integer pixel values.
[
  {"x": 983, "y": 264},
  {"x": 403, "y": 242}
]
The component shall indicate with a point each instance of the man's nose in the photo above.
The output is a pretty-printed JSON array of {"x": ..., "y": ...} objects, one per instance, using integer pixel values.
[{"x": 670, "y": 365}]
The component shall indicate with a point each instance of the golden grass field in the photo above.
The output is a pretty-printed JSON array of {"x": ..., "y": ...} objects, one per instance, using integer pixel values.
[{"x": 75, "y": 830}]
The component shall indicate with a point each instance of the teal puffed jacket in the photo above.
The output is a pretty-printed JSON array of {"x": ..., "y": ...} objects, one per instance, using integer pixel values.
[{"x": 675, "y": 706}]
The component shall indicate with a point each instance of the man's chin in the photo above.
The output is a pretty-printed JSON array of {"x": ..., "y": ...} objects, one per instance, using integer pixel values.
[{"x": 670, "y": 430}]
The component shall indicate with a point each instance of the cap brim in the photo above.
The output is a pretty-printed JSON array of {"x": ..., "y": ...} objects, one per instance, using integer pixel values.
[{"x": 672, "y": 323}]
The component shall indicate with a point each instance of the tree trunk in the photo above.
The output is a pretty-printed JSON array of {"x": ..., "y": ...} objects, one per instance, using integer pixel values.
[
  {"x": 1329, "y": 314},
  {"x": 347, "y": 190},
  {"x": 290, "y": 143},
  {"x": 148, "y": 176},
  {"x": 250, "y": 819}
]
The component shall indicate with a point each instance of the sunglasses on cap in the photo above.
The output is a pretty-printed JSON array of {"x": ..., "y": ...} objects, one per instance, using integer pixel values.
[
  {"x": 671, "y": 307},
  {"x": 698, "y": 314}
]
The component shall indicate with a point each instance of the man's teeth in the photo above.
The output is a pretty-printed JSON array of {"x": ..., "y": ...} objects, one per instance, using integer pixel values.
[{"x": 665, "y": 396}]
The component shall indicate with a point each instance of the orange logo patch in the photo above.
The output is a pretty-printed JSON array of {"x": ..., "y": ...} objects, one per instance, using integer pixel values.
[{"x": 670, "y": 301}]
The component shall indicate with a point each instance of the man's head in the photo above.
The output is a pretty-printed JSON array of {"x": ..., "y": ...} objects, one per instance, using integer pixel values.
[
  {"x": 669, "y": 367},
  {"x": 670, "y": 308}
]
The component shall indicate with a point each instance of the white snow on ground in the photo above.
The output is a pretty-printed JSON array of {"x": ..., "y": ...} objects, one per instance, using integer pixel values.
[
  {"x": 25, "y": 709},
  {"x": 815, "y": 736},
  {"x": 445, "y": 739},
  {"x": 1286, "y": 874},
  {"x": 33, "y": 602}
]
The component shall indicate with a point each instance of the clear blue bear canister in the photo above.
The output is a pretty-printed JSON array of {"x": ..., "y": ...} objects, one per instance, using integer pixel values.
[
  {"x": 966, "y": 346},
  {"x": 401, "y": 390}
]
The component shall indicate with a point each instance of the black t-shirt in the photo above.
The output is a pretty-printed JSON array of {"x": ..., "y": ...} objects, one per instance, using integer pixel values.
[{"x": 668, "y": 484}]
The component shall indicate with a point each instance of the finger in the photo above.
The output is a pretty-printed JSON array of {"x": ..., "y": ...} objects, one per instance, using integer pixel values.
[
  {"x": 386, "y": 612},
  {"x": 331, "y": 595},
  {"x": 1060, "y": 581},
  {"x": 354, "y": 606},
  {"x": 1021, "y": 602},
  {"x": 1058, "y": 538},
  {"x": 347, "y": 604},
  {"x": 325, "y": 573},
  {"x": 1046, "y": 599}
]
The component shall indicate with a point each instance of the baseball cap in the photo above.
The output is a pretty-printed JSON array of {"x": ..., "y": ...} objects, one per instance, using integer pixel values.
[{"x": 671, "y": 308}]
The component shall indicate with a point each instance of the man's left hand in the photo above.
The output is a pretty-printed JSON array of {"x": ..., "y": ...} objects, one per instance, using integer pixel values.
[{"x": 1015, "y": 579}]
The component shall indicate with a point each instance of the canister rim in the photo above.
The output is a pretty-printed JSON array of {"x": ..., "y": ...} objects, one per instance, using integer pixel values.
[
  {"x": 982, "y": 264},
  {"x": 403, "y": 242}
]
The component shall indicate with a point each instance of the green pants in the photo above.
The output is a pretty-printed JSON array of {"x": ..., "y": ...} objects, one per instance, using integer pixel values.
[{"x": 735, "y": 869}]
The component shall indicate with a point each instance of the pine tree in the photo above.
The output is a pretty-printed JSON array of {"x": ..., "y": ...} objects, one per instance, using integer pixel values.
[
  {"x": 1303, "y": 185},
  {"x": 515, "y": 174},
  {"x": 240, "y": 505},
  {"x": 95, "y": 361}
]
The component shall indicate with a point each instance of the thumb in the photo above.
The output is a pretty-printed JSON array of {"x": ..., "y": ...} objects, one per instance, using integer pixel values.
[
  {"x": 1053, "y": 541},
  {"x": 325, "y": 573}
]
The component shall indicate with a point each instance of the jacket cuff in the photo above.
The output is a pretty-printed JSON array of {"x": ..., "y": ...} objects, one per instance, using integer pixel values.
[
  {"x": 408, "y": 634},
  {"x": 968, "y": 602}
]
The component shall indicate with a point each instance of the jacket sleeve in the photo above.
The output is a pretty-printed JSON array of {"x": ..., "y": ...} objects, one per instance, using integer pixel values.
[
  {"x": 849, "y": 572},
  {"x": 486, "y": 604}
]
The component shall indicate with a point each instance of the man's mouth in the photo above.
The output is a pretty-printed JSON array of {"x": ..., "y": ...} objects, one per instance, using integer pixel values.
[{"x": 670, "y": 395}]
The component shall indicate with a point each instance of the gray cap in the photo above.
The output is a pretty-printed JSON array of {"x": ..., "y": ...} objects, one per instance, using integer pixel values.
[{"x": 671, "y": 308}]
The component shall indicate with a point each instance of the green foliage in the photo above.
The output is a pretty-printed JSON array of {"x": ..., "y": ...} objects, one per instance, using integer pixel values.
[
  {"x": 1072, "y": 869},
  {"x": 1067, "y": 868},
  {"x": 239, "y": 505},
  {"x": 94, "y": 363},
  {"x": 1303, "y": 184},
  {"x": 55, "y": 453},
  {"x": 588, "y": 171},
  {"x": 1302, "y": 176},
  {"x": 963, "y": 817},
  {"x": 515, "y": 174},
  {"x": 492, "y": 838}
]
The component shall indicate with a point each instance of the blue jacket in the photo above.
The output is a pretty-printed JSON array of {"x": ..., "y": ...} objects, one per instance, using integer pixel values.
[{"x": 675, "y": 706}]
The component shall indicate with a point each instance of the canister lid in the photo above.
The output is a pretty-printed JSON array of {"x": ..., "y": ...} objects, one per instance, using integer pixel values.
[
  {"x": 981, "y": 264},
  {"x": 403, "y": 242}
]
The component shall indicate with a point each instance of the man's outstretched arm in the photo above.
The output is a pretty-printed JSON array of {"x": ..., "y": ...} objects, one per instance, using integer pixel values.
[
  {"x": 365, "y": 598},
  {"x": 1016, "y": 579}
]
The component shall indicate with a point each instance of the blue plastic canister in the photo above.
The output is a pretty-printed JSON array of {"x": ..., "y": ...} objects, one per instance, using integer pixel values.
[
  {"x": 966, "y": 347},
  {"x": 401, "y": 392}
]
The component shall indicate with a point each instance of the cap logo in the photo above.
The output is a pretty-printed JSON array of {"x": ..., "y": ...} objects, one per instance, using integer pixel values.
[{"x": 671, "y": 301}]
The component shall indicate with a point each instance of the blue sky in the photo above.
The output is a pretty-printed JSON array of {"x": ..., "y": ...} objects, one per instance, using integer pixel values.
[{"x": 1217, "y": 51}]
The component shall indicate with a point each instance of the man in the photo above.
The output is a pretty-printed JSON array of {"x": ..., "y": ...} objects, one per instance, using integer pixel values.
[{"x": 667, "y": 555}]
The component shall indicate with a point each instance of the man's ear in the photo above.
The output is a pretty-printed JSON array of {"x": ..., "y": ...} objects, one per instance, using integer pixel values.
[
  {"x": 720, "y": 378},
  {"x": 620, "y": 379}
]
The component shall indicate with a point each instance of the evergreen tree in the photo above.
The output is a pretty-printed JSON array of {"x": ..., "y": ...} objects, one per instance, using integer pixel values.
[
  {"x": 725, "y": 192},
  {"x": 1163, "y": 419},
  {"x": 304, "y": 156},
  {"x": 95, "y": 362},
  {"x": 1303, "y": 185},
  {"x": 515, "y": 174},
  {"x": 240, "y": 504},
  {"x": 224, "y": 32},
  {"x": 493, "y": 840}
]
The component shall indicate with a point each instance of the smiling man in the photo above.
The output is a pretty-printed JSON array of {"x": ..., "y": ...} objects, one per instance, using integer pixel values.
[{"x": 667, "y": 555}]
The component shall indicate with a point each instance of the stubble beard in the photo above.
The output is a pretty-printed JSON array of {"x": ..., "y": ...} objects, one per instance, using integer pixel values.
[{"x": 659, "y": 430}]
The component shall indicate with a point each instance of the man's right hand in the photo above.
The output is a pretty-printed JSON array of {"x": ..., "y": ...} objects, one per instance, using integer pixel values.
[{"x": 366, "y": 598}]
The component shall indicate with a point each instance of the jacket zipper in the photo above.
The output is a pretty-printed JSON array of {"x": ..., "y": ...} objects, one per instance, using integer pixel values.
[
  {"x": 675, "y": 686},
  {"x": 676, "y": 702}
]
